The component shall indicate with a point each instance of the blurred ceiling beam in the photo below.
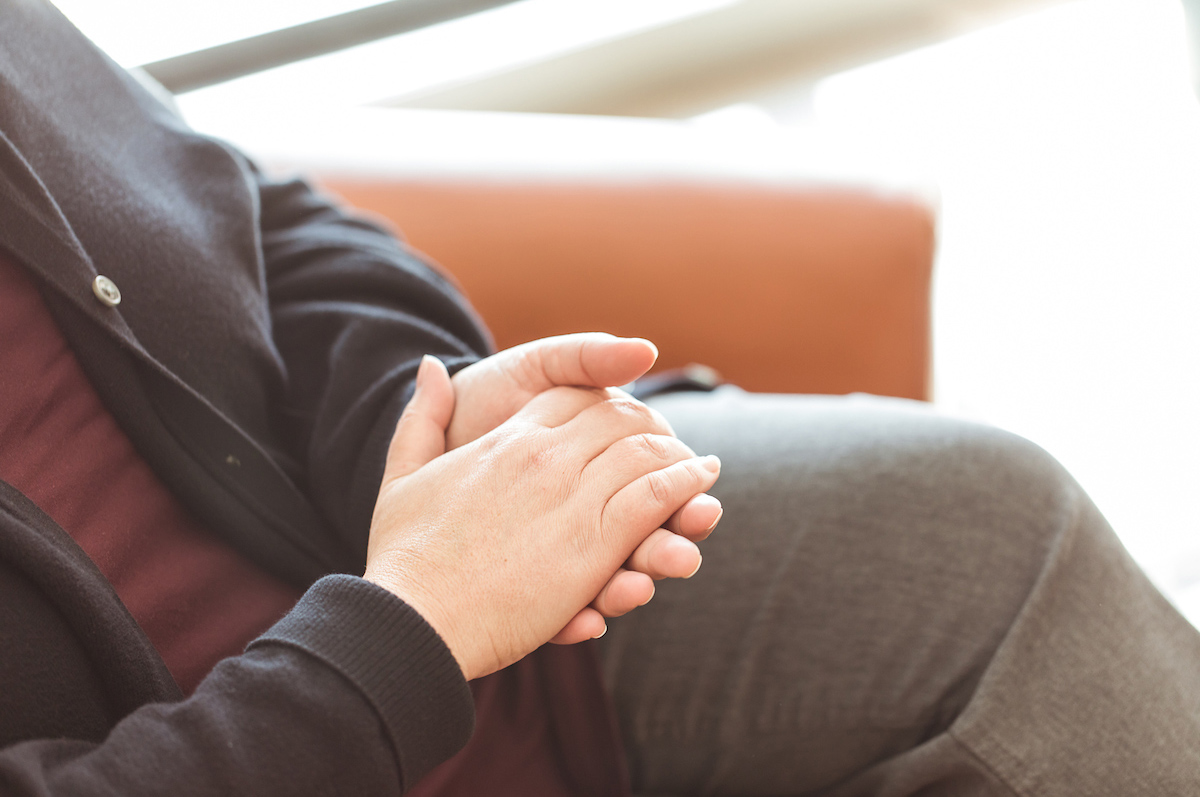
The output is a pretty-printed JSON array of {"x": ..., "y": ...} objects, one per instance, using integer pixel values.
[
  {"x": 708, "y": 61},
  {"x": 235, "y": 59}
]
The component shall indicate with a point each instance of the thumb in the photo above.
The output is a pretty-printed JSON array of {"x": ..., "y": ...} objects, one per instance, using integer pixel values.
[
  {"x": 589, "y": 359},
  {"x": 421, "y": 433}
]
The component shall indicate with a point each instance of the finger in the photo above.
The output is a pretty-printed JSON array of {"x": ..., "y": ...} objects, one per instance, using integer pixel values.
[
  {"x": 664, "y": 554},
  {"x": 697, "y": 518},
  {"x": 618, "y": 416},
  {"x": 421, "y": 432},
  {"x": 593, "y": 359},
  {"x": 558, "y": 405},
  {"x": 631, "y": 458},
  {"x": 587, "y": 624},
  {"x": 643, "y": 505},
  {"x": 624, "y": 592}
]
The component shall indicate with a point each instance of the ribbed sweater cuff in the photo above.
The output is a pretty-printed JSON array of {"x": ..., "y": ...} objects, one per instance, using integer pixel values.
[{"x": 387, "y": 650}]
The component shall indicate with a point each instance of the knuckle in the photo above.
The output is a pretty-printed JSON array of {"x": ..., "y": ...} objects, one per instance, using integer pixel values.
[
  {"x": 649, "y": 445},
  {"x": 629, "y": 407},
  {"x": 660, "y": 486},
  {"x": 527, "y": 364},
  {"x": 698, "y": 477}
]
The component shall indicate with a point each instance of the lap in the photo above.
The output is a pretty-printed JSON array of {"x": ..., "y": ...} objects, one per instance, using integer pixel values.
[{"x": 871, "y": 560}]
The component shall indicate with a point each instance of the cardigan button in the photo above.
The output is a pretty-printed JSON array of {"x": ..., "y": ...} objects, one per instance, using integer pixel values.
[{"x": 106, "y": 291}]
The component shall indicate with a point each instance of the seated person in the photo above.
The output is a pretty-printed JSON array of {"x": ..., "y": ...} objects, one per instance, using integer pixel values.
[{"x": 275, "y": 520}]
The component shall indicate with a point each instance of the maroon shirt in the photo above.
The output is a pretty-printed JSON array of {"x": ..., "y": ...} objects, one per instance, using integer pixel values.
[{"x": 198, "y": 600}]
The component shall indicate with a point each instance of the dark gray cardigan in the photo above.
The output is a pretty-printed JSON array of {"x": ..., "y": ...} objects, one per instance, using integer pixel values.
[{"x": 262, "y": 351}]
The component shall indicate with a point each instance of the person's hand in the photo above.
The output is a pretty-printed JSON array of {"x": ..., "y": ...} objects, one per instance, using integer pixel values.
[
  {"x": 501, "y": 542},
  {"x": 666, "y": 553},
  {"x": 489, "y": 392}
]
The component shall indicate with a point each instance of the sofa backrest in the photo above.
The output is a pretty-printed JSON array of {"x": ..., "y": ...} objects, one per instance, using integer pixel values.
[{"x": 817, "y": 288}]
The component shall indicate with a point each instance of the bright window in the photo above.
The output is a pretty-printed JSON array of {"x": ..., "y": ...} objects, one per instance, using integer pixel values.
[{"x": 1067, "y": 148}]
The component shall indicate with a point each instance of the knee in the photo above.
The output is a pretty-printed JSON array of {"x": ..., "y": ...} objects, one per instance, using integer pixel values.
[
  {"x": 960, "y": 463},
  {"x": 911, "y": 490},
  {"x": 969, "y": 480}
]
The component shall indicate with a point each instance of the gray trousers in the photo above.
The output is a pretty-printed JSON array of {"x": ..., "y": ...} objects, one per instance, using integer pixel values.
[{"x": 897, "y": 604}]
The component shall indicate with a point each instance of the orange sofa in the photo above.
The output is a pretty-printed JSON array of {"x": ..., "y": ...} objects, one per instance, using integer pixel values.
[{"x": 786, "y": 288}]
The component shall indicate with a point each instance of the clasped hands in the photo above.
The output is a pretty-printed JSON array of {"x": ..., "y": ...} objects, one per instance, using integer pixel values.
[{"x": 525, "y": 500}]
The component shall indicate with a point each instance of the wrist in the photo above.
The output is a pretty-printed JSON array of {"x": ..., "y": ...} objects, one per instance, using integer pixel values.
[{"x": 398, "y": 581}]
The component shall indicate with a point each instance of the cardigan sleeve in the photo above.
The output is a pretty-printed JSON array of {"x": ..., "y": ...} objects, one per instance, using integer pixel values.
[
  {"x": 352, "y": 312},
  {"x": 351, "y": 693}
]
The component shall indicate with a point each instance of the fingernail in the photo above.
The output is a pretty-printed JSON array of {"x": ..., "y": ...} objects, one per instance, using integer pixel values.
[
  {"x": 652, "y": 590},
  {"x": 697, "y": 570},
  {"x": 717, "y": 519},
  {"x": 650, "y": 344},
  {"x": 423, "y": 369},
  {"x": 712, "y": 463},
  {"x": 602, "y": 632}
]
